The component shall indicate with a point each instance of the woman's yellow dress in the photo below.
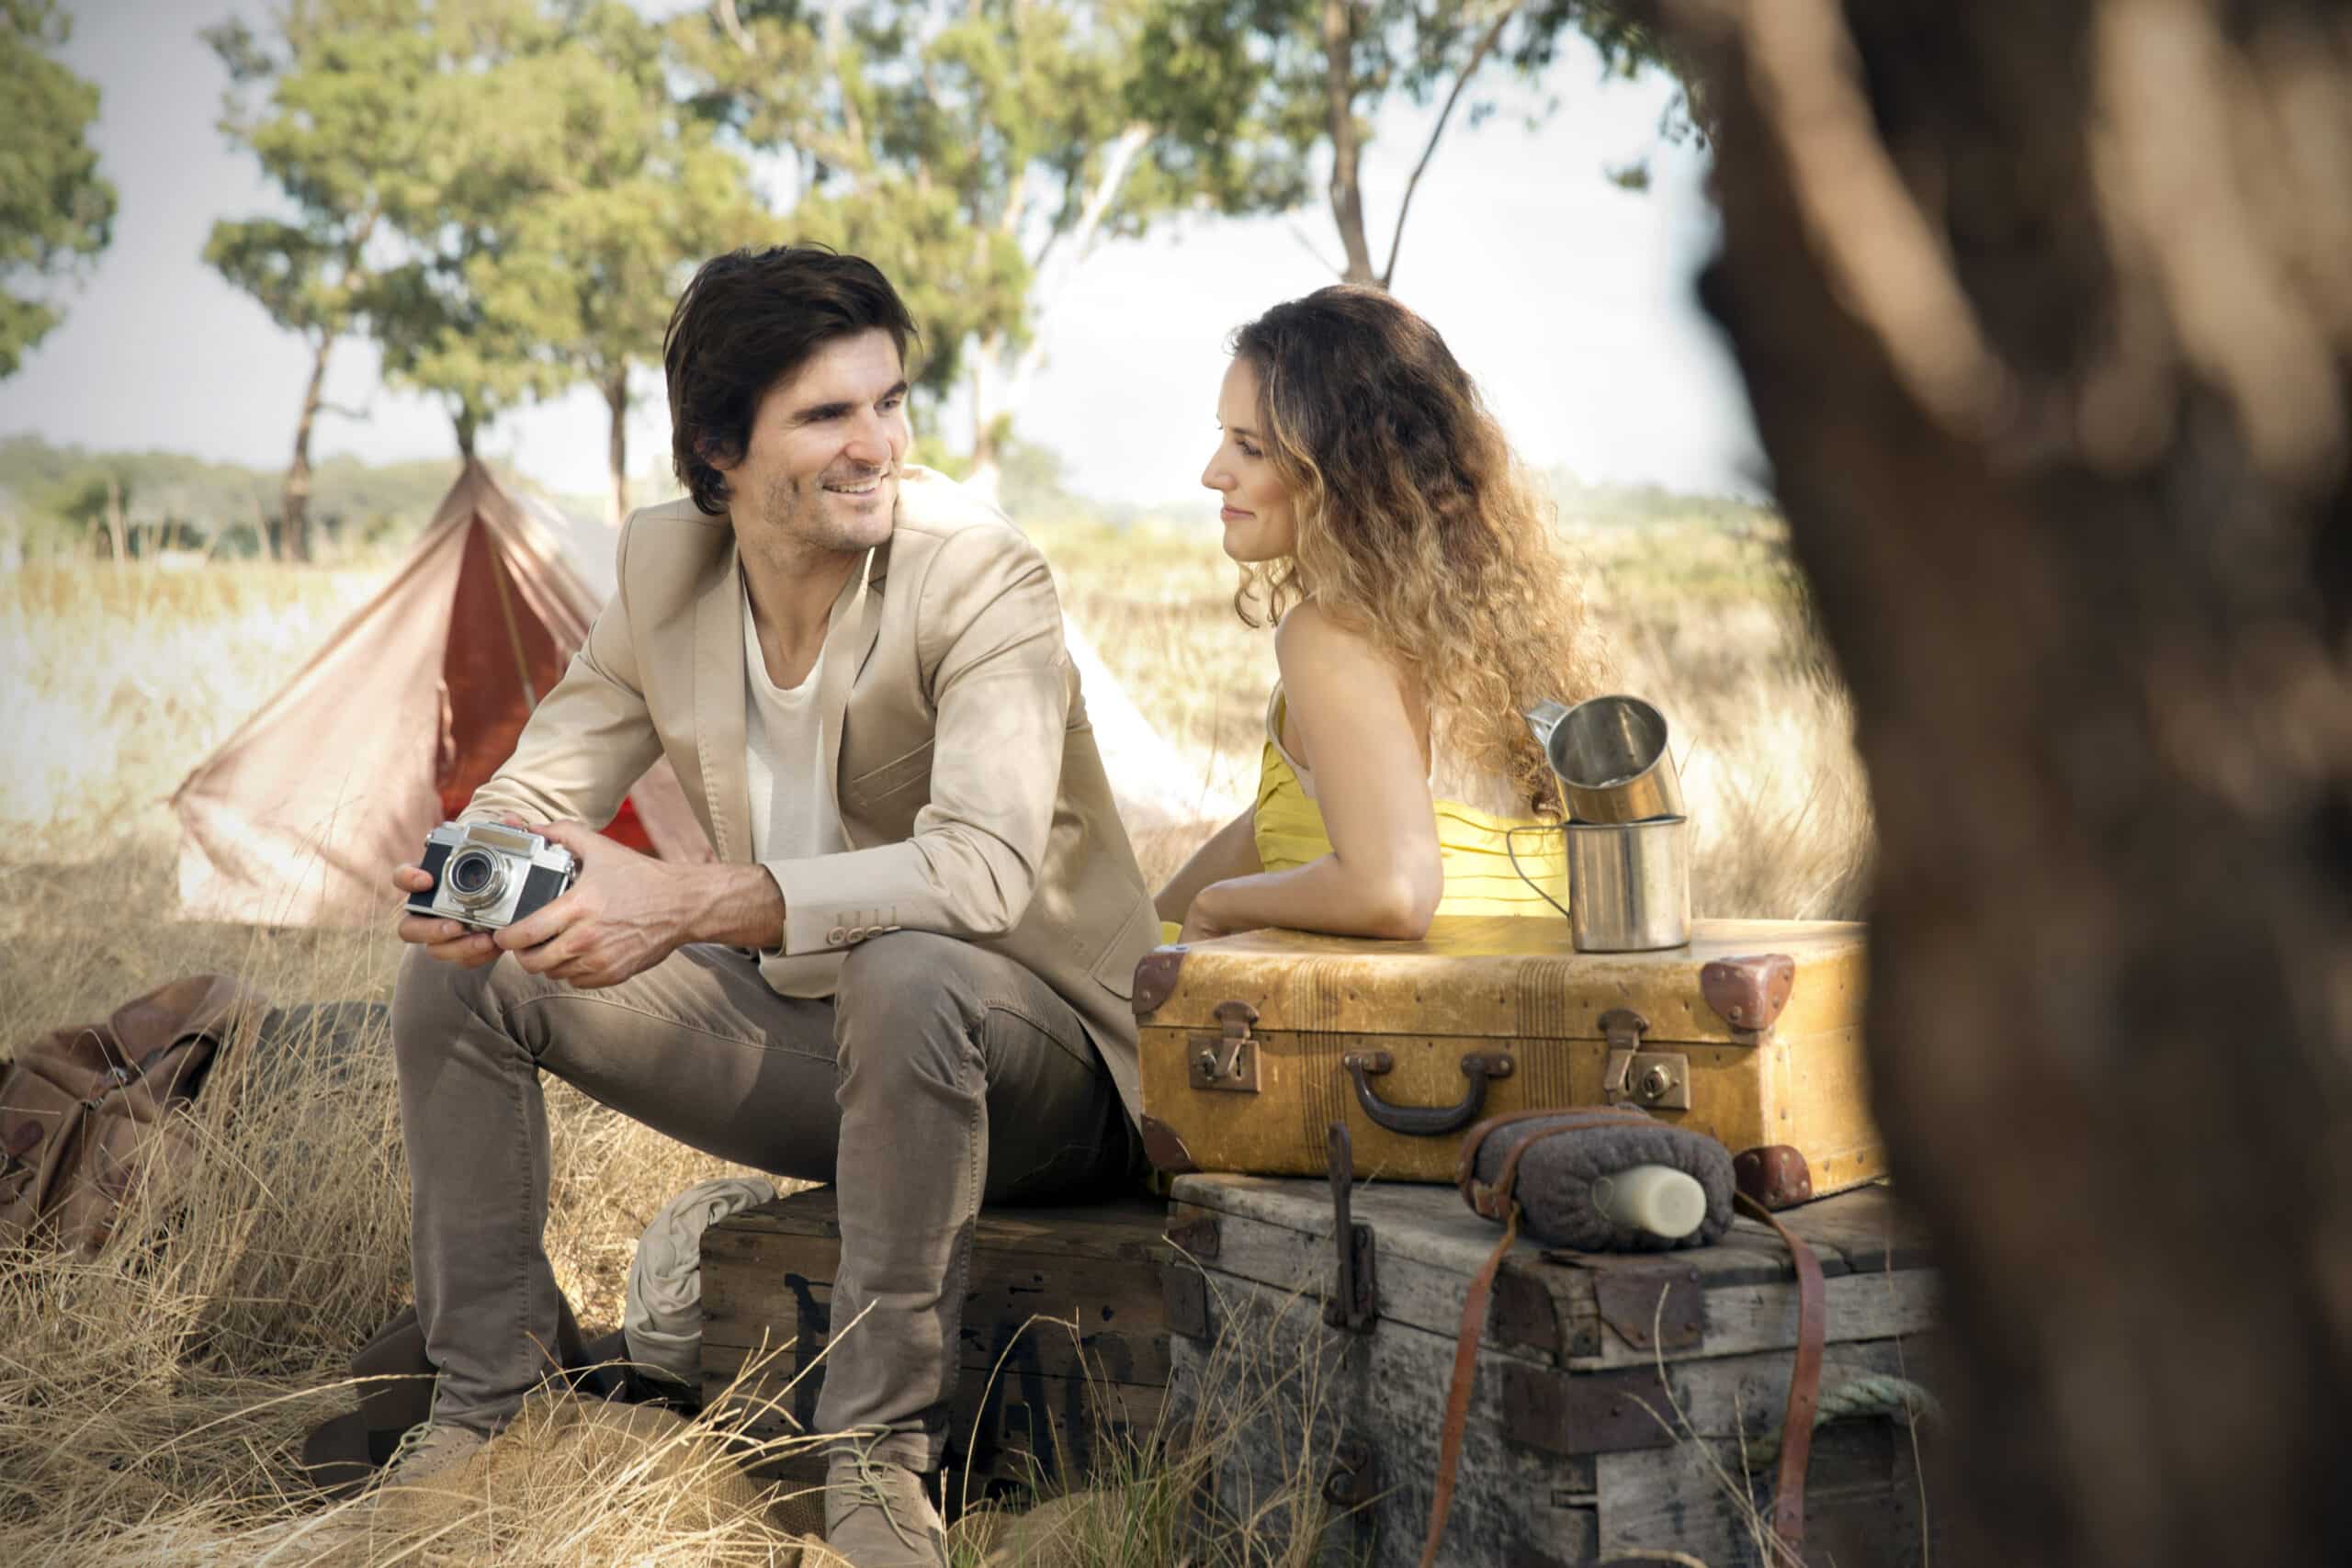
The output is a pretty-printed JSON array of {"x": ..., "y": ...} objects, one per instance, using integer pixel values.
[{"x": 1470, "y": 842}]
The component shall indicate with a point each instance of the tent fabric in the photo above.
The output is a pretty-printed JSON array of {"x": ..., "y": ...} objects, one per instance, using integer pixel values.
[{"x": 298, "y": 816}]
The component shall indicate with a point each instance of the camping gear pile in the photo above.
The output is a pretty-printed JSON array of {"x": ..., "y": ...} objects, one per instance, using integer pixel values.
[{"x": 1597, "y": 1376}]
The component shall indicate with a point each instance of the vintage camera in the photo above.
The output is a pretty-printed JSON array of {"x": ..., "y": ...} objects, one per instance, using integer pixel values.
[{"x": 488, "y": 876}]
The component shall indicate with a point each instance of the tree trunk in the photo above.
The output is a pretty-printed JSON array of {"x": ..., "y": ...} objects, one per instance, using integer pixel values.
[
  {"x": 982, "y": 478},
  {"x": 1347, "y": 152},
  {"x": 2042, "y": 314},
  {"x": 467, "y": 423},
  {"x": 617, "y": 440},
  {"x": 294, "y": 500},
  {"x": 117, "y": 536}
]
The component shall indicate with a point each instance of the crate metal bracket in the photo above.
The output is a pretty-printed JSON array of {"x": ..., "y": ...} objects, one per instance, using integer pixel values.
[{"x": 1354, "y": 1302}]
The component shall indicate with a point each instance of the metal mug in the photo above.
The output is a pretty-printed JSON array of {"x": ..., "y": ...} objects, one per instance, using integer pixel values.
[
  {"x": 1629, "y": 883},
  {"x": 1611, "y": 756}
]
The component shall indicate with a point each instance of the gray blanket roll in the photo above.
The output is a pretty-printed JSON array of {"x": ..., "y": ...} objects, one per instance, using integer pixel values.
[{"x": 1554, "y": 1185}]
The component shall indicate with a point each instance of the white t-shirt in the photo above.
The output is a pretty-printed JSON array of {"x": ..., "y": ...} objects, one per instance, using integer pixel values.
[{"x": 793, "y": 814}]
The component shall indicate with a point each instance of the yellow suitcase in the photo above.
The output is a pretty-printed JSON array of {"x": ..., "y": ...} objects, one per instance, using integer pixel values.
[{"x": 1254, "y": 1045}]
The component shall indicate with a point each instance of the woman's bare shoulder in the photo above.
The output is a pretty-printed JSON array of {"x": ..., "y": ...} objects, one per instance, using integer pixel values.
[{"x": 1309, "y": 633}]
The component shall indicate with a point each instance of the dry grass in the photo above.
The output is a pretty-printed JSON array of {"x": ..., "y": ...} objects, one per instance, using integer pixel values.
[{"x": 150, "y": 1399}]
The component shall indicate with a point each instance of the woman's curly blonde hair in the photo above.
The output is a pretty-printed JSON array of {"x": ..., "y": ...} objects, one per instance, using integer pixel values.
[{"x": 1416, "y": 523}]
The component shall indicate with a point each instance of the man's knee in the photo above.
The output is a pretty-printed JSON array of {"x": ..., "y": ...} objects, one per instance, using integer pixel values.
[
  {"x": 432, "y": 1000},
  {"x": 912, "y": 967},
  {"x": 917, "y": 995}
]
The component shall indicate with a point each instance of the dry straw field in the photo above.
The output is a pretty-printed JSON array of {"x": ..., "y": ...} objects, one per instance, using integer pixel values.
[{"x": 150, "y": 1399}]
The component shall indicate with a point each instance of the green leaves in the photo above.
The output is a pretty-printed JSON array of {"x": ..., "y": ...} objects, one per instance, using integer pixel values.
[
  {"x": 1257, "y": 86},
  {"x": 56, "y": 209},
  {"x": 506, "y": 194}
]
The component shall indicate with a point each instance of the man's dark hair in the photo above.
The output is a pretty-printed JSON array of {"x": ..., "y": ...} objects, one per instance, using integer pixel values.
[{"x": 747, "y": 321}]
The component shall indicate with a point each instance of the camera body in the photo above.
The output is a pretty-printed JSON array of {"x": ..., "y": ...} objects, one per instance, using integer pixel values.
[{"x": 488, "y": 876}]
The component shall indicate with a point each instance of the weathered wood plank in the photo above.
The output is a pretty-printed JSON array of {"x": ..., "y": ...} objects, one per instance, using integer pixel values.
[
  {"x": 1125, "y": 1226},
  {"x": 1279, "y": 1394},
  {"x": 1286, "y": 1391},
  {"x": 1292, "y": 1261},
  {"x": 1432, "y": 1226},
  {"x": 1869, "y": 1227},
  {"x": 1428, "y": 1246},
  {"x": 1744, "y": 1318},
  {"x": 1080, "y": 1317},
  {"x": 1864, "y": 1501}
]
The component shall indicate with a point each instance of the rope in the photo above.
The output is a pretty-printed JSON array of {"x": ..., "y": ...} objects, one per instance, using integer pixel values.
[{"x": 1874, "y": 1395}]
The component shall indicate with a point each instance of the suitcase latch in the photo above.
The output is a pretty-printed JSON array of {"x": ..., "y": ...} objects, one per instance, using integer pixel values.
[
  {"x": 1227, "y": 1062},
  {"x": 1660, "y": 1079}
]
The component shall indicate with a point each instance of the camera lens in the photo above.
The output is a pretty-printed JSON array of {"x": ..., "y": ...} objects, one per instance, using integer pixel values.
[{"x": 475, "y": 876}]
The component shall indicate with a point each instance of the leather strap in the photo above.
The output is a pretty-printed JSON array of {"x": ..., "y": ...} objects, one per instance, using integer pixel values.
[
  {"x": 1457, "y": 1394},
  {"x": 1465, "y": 1169},
  {"x": 1804, "y": 1383},
  {"x": 1491, "y": 1200}
]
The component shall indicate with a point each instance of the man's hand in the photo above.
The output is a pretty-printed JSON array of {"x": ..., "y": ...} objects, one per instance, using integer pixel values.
[
  {"x": 625, "y": 913},
  {"x": 446, "y": 940}
]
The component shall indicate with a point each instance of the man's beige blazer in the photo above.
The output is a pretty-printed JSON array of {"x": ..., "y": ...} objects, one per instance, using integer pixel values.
[{"x": 965, "y": 771}]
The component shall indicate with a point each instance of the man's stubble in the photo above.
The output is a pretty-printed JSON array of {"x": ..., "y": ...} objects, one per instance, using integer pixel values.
[{"x": 795, "y": 523}]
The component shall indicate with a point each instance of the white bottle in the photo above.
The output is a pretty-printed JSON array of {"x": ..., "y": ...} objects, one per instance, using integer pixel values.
[{"x": 1655, "y": 1198}]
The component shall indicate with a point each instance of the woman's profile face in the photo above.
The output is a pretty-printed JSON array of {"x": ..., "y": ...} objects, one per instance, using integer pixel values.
[{"x": 1257, "y": 512}]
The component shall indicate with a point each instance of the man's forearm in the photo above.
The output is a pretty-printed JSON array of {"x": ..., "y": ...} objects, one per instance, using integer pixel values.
[{"x": 739, "y": 905}]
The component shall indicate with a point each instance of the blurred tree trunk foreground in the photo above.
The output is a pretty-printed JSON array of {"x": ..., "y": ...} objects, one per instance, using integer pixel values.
[{"x": 2045, "y": 317}]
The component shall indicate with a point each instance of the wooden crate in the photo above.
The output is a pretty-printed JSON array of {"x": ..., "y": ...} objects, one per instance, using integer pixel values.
[
  {"x": 1033, "y": 1395},
  {"x": 1564, "y": 1461}
]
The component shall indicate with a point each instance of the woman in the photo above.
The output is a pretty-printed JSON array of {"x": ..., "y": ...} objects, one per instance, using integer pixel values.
[{"x": 1419, "y": 604}]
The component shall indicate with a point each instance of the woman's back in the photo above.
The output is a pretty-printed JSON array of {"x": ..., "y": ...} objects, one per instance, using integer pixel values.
[{"x": 1475, "y": 831}]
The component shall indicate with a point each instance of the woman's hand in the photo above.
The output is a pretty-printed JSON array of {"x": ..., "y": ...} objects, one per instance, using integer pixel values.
[{"x": 1205, "y": 919}]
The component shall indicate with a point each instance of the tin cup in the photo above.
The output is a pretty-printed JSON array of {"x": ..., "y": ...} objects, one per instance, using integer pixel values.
[
  {"x": 1609, "y": 754},
  {"x": 1629, "y": 885}
]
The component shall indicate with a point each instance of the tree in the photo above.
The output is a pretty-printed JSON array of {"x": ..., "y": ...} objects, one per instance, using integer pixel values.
[
  {"x": 56, "y": 209},
  {"x": 2042, "y": 316},
  {"x": 1313, "y": 73},
  {"x": 332, "y": 105},
  {"x": 979, "y": 152},
  {"x": 583, "y": 194}
]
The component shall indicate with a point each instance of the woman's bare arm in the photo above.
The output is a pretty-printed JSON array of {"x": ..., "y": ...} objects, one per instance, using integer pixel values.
[
  {"x": 1384, "y": 877},
  {"x": 1231, "y": 851}
]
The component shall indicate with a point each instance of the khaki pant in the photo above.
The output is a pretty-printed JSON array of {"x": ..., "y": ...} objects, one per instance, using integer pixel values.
[{"x": 939, "y": 1076}]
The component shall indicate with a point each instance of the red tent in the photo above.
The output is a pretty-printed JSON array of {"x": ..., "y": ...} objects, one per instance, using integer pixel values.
[{"x": 298, "y": 816}]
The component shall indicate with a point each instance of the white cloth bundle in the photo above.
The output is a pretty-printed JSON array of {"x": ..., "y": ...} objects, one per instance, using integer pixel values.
[{"x": 662, "y": 1317}]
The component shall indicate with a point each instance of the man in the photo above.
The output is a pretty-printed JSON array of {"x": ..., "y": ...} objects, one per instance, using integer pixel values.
[{"x": 907, "y": 973}]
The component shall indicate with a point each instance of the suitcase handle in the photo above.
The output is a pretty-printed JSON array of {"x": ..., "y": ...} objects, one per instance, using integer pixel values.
[{"x": 1424, "y": 1120}]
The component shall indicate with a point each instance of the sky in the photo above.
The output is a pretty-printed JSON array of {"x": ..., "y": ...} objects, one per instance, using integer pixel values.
[{"x": 1567, "y": 299}]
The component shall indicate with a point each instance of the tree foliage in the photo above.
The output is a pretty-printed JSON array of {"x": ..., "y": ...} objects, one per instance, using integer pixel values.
[
  {"x": 584, "y": 193},
  {"x": 977, "y": 153},
  {"x": 335, "y": 104},
  {"x": 503, "y": 192},
  {"x": 56, "y": 208},
  {"x": 1261, "y": 85}
]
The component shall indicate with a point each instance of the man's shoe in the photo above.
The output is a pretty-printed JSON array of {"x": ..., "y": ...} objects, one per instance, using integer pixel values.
[
  {"x": 877, "y": 1517},
  {"x": 428, "y": 1452}
]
